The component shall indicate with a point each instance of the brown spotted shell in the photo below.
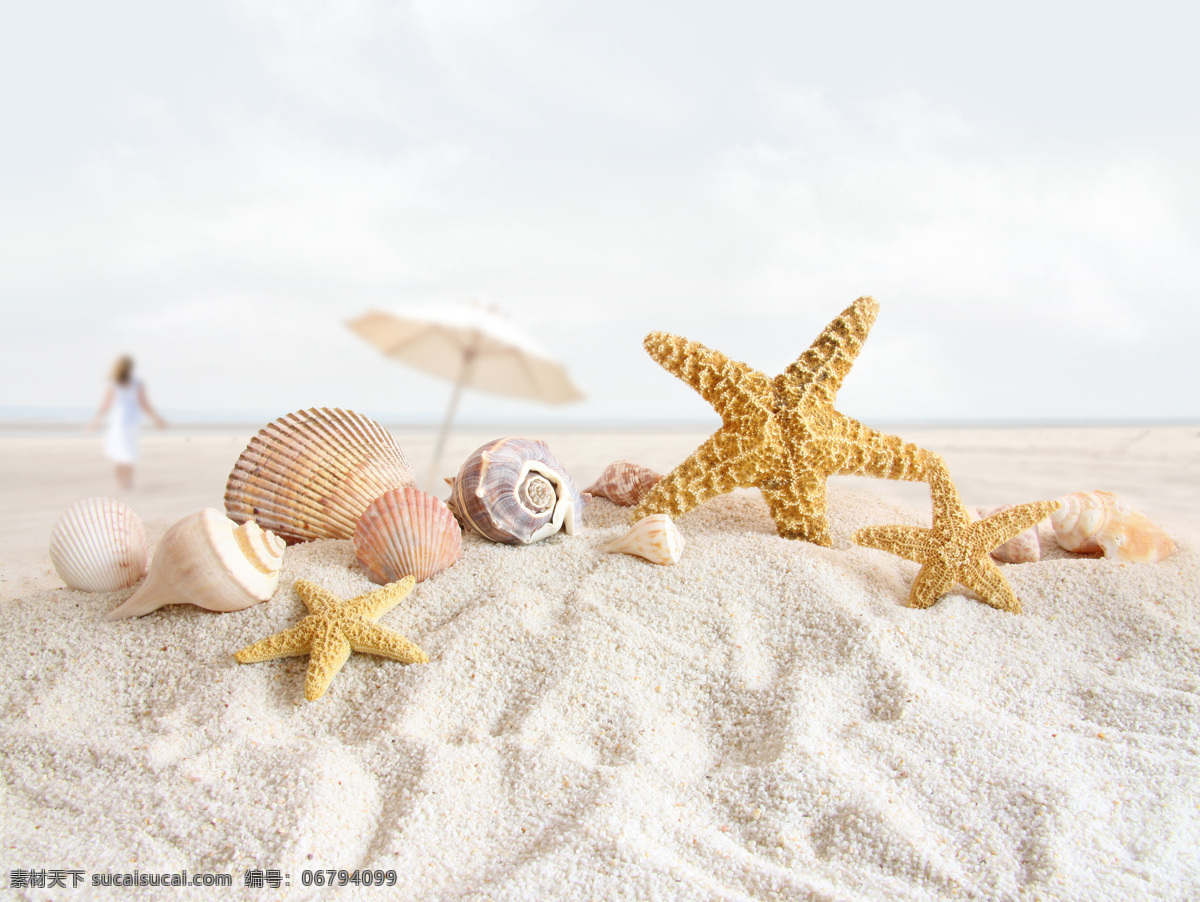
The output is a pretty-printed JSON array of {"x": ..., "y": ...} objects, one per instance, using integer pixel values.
[
  {"x": 513, "y": 490},
  {"x": 655, "y": 538},
  {"x": 624, "y": 482},
  {"x": 312, "y": 473},
  {"x": 406, "y": 532}
]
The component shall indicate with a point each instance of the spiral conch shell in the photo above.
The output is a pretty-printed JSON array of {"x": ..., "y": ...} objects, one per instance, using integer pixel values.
[
  {"x": 312, "y": 473},
  {"x": 513, "y": 490},
  {"x": 655, "y": 538},
  {"x": 1088, "y": 522},
  {"x": 624, "y": 482},
  {"x": 406, "y": 532},
  {"x": 99, "y": 545},
  {"x": 208, "y": 560}
]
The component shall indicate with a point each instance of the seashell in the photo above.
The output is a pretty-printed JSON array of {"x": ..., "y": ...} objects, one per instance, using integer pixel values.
[
  {"x": 312, "y": 473},
  {"x": 1023, "y": 548},
  {"x": 655, "y": 538},
  {"x": 99, "y": 545},
  {"x": 513, "y": 490},
  {"x": 1088, "y": 522},
  {"x": 624, "y": 482},
  {"x": 208, "y": 560},
  {"x": 406, "y": 532}
]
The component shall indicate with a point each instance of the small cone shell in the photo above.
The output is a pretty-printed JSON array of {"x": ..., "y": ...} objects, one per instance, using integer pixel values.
[
  {"x": 208, "y": 560},
  {"x": 312, "y": 473},
  {"x": 624, "y": 482},
  {"x": 99, "y": 545},
  {"x": 655, "y": 538},
  {"x": 406, "y": 532},
  {"x": 1088, "y": 522}
]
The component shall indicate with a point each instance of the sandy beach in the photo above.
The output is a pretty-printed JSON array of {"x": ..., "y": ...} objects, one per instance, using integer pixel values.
[{"x": 764, "y": 720}]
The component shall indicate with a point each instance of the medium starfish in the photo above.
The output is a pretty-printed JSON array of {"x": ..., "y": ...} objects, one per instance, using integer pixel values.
[
  {"x": 335, "y": 627},
  {"x": 781, "y": 435},
  {"x": 957, "y": 549}
]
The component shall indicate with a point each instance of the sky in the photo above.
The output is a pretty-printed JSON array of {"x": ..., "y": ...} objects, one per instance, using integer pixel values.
[{"x": 217, "y": 188}]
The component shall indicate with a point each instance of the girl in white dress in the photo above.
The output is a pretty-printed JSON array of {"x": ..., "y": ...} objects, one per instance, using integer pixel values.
[{"x": 126, "y": 398}]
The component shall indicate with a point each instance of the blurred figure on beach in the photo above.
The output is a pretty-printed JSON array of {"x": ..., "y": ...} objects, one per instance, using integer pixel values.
[{"x": 124, "y": 402}]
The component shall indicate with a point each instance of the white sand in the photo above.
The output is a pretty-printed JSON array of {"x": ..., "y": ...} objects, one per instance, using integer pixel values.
[{"x": 765, "y": 720}]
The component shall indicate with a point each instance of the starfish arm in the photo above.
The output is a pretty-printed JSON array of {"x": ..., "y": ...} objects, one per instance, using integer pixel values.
[
  {"x": 726, "y": 384},
  {"x": 374, "y": 605},
  {"x": 825, "y": 364},
  {"x": 984, "y": 578},
  {"x": 330, "y": 651},
  {"x": 727, "y": 460},
  {"x": 377, "y": 640},
  {"x": 932, "y": 582},
  {"x": 994, "y": 531},
  {"x": 854, "y": 449},
  {"x": 291, "y": 642},
  {"x": 909, "y": 542},
  {"x": 798, "y": 509},
  {"x": 950, "y": 515},
  {"x": 315, "y": 598}
]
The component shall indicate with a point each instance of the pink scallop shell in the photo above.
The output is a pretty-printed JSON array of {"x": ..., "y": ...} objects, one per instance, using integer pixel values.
[{"x": 406, "y": 532}]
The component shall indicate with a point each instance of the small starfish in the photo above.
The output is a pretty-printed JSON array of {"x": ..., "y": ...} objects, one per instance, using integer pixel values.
[
  {"x": 781, "y": 435},
  {"x": 957, "y": 549},
  {"x": 335, "y": 627}
]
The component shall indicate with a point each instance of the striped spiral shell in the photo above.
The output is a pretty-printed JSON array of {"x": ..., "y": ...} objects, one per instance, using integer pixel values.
[
  {"x": 1088, "y": 522},
  {"x": 312, "y": 473},
  {"x": 624, "y": 482},
  {"x": 513, "y": 490}
]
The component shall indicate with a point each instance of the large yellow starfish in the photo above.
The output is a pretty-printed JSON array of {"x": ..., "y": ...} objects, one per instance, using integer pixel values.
[
  {"x": 781, "y": 435},
  {"x": 956, "y": 550},
  {"x": 333, "y": 628}
]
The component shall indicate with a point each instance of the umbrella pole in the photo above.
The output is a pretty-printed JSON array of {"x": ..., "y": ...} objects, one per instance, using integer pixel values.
[{"x": 463, "y": 374}]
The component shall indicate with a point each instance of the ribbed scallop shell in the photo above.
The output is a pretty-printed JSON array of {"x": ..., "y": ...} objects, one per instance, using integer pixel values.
[
  {"x": 312, "y": 473},
  {"x": 406, "y": 532},
  {"x": 1088, "y": 522},
  {"x": 99, "y": 545},
  {"x": 655, "y": 538},
  {"x": 513, "y": 490},
  {"x": 207, "y": 560},
  {"x": 624, "y": 482},
  {"x": 1023, "y": 548}
]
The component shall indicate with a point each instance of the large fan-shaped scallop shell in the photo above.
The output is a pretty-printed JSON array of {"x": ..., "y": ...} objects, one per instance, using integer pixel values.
[
  {"x": 513, "y": 490},
  {"x": 624, "y": 482},
  {"x": 99, "y": 545},
  {"x": 207, "y": 560},
  {"x": 312, "y": 473},
  {"x": 655, "y": 538},
  {"x": 406, "y": 532},
  {"x": 1088, "y": 522}
]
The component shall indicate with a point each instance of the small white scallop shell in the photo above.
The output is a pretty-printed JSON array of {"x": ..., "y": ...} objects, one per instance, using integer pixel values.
[
  {"x": 655, "y": 538},
  {"x": 208, "y": 560},
  {"x": 310, "y": 474},
  {"x": 624, "y": 482},
  {"x": 1088, "y": 522},
  {"x": 1023, "y": 548},
  {"x": 406, "y": 532},
  {"x": 99, "y": 545},
  {"x": 513, "y": 490}
]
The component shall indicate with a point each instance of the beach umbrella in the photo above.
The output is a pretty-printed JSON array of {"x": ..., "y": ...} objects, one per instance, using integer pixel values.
[{"x": 474, "y": 347}]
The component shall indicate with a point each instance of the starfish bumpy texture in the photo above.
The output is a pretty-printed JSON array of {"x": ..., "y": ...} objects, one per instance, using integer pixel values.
[
  {"x": 781, "y": 435},
  {"x": 956, "y": 550},
  {"x": 334, "y": 628}
]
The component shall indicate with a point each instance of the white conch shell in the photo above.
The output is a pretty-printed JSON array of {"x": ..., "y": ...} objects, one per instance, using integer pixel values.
[
  {"x": 655, "y": 538},
  {"x": 1023, "y": 548},
  {"x": 513, "y": 490},
  {"x": 310, "y": 474},
  {"x": 99, "y": 545},
  {"x": 208, "y": 560},
  {"x": 1088, "y": 522},
  {"x": 624, "y": 482},
  {"x": 406, "y": 532}
]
